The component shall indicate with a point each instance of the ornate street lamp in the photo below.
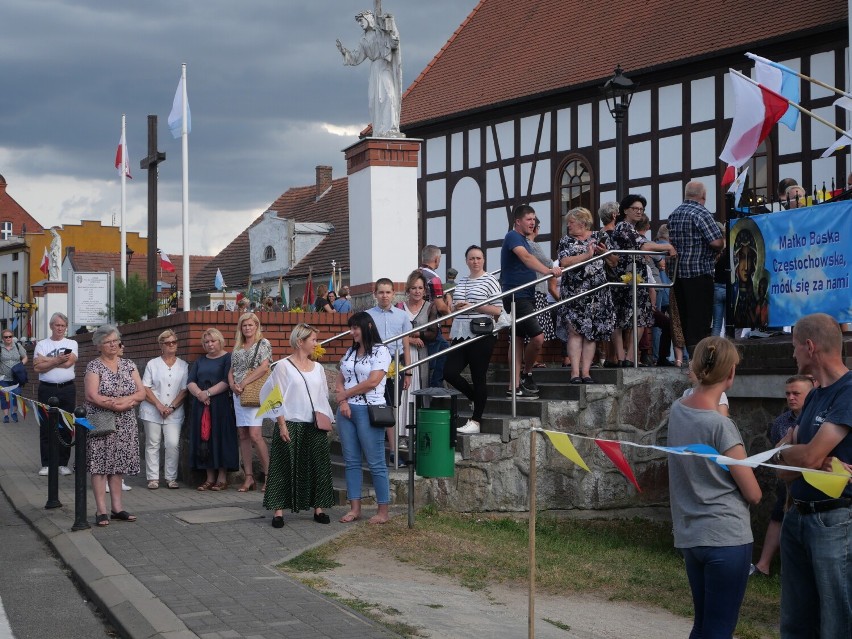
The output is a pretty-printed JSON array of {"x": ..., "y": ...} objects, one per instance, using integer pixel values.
[
  {"x": 618, "y": 91},
  {"x": 129, "y": 251}
]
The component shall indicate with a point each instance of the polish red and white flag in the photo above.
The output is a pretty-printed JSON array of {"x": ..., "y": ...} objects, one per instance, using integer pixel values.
[
  {"x": 121, "y": 157},
  {"x": 44, "y": 267},
  {"x": 165, "y": 262},
  {"x": 756, "y": 110}
]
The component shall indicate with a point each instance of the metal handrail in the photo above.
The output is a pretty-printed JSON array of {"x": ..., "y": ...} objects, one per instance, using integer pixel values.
[{"x": 634, "y": 284}]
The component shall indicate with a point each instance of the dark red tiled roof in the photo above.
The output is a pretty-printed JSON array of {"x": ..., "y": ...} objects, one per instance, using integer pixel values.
[
  {"x": 11, "y": 211},
  {"x": 299, "y": 204},
  {"x": 507, "y": 50},
  {"x": 105, "y": 262}
]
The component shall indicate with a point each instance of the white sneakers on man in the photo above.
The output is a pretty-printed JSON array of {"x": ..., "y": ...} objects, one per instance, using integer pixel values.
[
  {"x": 43, "y": 471},
  {"x": 471, "y": 428},
  {"x": 64, "y": 470}
]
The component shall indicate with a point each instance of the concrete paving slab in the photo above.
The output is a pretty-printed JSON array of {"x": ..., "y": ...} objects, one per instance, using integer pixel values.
[{"x": 215, "y": 515}]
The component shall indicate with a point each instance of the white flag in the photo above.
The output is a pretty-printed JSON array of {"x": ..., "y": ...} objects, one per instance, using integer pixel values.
[{"x": 176, "y": 115}]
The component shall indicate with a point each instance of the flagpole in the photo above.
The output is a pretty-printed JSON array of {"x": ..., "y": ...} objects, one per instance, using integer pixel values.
[
  {"x": 123, "y": 172},
  {"x": 532, "y": 489},
  {"x": 800, "y": 108},
  {"x": 184, "y": 137}
]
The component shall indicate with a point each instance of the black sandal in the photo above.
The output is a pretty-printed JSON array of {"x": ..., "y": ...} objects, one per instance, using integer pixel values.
[
  {"x": 122, "y": 516},
  {"x": 278, "y": 521},
  {"x": 322, "y": 518},
  {"x": 576, "y": 380},
  {"x": 102, "y": 520}
]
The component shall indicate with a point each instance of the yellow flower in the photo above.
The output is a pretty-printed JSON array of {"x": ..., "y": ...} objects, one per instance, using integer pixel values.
[
  {"x": 392, "y": 369},
  {"x": 628, "y": 277},
  {"x": 319, "y": 351}
]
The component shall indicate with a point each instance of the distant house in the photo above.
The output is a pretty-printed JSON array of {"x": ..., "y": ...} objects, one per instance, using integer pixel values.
[
  {"x": 511, "y": 109},
  {"x": 15, "y": 222},
  {"x": 300, "y": 234}
]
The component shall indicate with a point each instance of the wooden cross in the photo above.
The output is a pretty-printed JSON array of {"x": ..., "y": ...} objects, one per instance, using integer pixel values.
[{"x": 150, "y": 164}]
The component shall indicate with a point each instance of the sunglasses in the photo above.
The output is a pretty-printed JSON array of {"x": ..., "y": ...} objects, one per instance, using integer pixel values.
[{"x": 170, "y": 342}]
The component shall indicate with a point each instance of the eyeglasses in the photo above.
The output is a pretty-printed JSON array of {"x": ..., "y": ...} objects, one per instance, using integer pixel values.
[
  {"x": 112, "y": 342},
  {"x": 171, "y": 342},
  {"x": 640, "y": 209},
  {"x": 8, "y": 336}
]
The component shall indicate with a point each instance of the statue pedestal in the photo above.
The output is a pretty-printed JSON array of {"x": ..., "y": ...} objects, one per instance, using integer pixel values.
[
  {"x": 383, "y": 216},
  {"x": 51, "y": 297}
]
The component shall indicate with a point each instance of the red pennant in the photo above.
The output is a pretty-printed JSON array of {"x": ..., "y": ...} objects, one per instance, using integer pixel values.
[{"x": 613, "y": 451}]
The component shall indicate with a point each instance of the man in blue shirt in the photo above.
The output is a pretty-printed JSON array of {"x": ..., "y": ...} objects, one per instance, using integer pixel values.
[
  {"x": 518, "y": 266},
  {"x": 816, "y": 535},
  {"x": 342, "y": 304},
  {"x": 391, "y": 321}
]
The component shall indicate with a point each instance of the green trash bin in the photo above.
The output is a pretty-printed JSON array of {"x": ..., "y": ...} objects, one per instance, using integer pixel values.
[{"x": 435, "y": 457}]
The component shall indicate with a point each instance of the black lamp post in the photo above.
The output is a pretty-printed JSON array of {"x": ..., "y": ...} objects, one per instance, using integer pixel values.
[
  {"x": 618, "y": 91},
  {"x": 129, "y": 251}
]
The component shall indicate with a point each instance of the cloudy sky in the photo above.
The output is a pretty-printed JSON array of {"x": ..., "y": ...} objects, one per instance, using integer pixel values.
[{"x": 269, "y": 95}]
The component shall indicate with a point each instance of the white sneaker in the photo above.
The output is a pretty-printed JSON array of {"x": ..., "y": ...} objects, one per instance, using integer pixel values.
[
  {"x": 64, "y": 470},
  {"x": 43, "y": 471},
  {"x": 471, "y": 428},
  {"x": 123, "y": 486}
]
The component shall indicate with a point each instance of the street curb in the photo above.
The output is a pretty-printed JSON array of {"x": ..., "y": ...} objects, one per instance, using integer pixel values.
[{"x": 128, "y": 605}]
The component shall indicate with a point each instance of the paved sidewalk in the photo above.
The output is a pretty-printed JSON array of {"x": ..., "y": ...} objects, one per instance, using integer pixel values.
[{"x": 195, "y": 564}]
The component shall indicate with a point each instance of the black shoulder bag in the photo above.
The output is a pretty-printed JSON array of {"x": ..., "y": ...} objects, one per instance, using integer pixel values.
[{"x": 381, "y": 415}]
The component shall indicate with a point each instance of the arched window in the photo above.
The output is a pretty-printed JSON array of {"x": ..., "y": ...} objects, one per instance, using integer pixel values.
[
  {"x": 575, "y": 188},
  {"x": 268, "y": 254}
]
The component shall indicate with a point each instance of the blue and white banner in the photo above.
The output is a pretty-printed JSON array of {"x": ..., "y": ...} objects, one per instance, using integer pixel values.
[{"x": 787, "y": 265}]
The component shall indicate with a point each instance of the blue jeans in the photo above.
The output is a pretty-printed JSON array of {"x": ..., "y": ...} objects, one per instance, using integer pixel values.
[
  {"x": 357, "y": 437},
  {"x": 717, "y": 577},
  {"x": 816, "y": 580},
  {"x": 436, "y": 366},
  {"x": 719, "y": 302}
]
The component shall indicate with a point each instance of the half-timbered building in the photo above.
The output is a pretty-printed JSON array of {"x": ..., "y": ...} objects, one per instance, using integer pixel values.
[{"x": 511, "y": 109}]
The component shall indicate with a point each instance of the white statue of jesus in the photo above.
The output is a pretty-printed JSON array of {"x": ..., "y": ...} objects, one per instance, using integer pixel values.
[
  {"x": 380, "y": 45},
  {"x": 54, "y": 254}
]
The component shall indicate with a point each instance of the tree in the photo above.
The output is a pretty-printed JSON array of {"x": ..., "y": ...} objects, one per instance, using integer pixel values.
[{"x": 134, "y": 301}]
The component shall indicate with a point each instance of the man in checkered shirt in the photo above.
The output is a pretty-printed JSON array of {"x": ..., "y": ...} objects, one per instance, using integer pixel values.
[{"x": 694, "y": 234}]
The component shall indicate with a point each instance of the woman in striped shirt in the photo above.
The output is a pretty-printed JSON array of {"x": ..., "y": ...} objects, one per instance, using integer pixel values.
[{"x": 469, "y": 290}]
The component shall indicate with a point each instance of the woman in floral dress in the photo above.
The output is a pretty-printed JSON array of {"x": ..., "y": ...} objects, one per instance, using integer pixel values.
[
  {"x": 584, "y": 321},
  {"x": 626, "y": 237},
  {"x": 113, "y": 384}
]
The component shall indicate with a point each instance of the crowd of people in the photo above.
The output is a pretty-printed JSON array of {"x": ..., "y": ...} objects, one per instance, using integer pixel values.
[{"x": 217, "y": 397}]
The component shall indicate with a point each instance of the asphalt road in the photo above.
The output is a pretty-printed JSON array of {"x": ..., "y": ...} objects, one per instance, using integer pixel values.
[{"x": 37, "y": 597}]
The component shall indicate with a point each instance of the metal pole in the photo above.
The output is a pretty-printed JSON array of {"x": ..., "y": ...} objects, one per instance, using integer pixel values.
[
  {"x": 531, "y": 611},
  {"x": 52, "y": 455},
  {"x": 412, "y": 456},
  {"x": 396, "y": 388},
  {"x": 80, "y": 433},
  {"x": 512, "y": 356},
  {"x": 620, "y": 187},
  {"x": 635, "y": 318}
]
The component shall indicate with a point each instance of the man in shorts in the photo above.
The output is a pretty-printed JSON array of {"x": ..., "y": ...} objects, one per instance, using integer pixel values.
[{"x": 518, "y": 266}]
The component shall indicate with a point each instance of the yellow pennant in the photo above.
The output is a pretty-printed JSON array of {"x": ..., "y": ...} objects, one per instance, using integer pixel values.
[
  {"x": 271, "y": 402},
  {"x": 563, "y": 444},
  {"x": 831, "y": 485}
]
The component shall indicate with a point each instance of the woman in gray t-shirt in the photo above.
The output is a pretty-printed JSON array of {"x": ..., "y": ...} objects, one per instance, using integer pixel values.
[{"x": 710, "y": 504}]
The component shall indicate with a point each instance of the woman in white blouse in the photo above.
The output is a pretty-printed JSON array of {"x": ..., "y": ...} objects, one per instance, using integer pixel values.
[
  {"x": 361, "y": 382},
  {"x": 162, "y": 411},
  {"x": 477, "y": 287},
  {"x": 299, "y": 459}
]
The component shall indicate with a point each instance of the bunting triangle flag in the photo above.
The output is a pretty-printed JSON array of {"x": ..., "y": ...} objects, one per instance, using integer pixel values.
[
  {"x": 562, "y": 443},
  {"x": 613, "y": 450},
  {"x": 271, "y": 400},
  {"x": 22, "y": 406},
  {"x": 831, "y": 485}
]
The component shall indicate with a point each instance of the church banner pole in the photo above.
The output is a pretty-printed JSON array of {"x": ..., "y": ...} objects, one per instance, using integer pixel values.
[
  {"x": 532, "y": 482},
  {"x": 184, "y": 136}
]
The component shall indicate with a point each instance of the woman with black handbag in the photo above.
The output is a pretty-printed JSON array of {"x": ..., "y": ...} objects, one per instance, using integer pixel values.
[
  {"x": 113, "y": 391},
  {"x": 250, "y": 361},
  {"x": 300, "y": 457},
  {"x": 11, "y": 353},
  {"x": 476, "y": 287},
  {"x": 360, "y": 391}
]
